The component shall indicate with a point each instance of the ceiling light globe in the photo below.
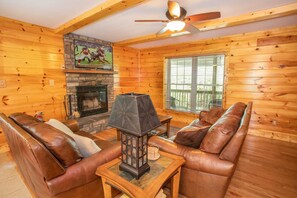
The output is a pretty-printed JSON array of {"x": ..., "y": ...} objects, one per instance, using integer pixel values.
[{"x": 175, "y": 25}]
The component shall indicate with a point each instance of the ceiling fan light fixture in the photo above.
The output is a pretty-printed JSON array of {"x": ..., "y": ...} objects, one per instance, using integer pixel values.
[
  {"x": 180, "y": 33},
  {"x": 176, "y": 25}
]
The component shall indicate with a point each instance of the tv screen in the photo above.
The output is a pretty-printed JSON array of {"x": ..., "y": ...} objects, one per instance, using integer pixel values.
[{"x": 93, "y": 55}]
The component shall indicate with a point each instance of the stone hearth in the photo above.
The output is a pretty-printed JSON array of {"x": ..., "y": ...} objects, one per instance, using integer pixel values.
[{"x": 94, "y": 123}]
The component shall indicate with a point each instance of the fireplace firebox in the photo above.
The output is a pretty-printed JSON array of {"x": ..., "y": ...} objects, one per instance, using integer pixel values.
[{"x": 91, "y": 100}]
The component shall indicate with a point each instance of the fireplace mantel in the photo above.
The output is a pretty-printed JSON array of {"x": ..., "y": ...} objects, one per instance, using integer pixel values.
[{"x": 84, "y": 71}]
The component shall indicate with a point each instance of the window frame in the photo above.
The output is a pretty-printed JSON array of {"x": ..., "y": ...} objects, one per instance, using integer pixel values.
[{"x": 166, "y": 77}]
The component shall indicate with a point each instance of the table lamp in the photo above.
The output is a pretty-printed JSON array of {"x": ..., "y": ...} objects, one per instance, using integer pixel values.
[{"x": 134, "y": 115}]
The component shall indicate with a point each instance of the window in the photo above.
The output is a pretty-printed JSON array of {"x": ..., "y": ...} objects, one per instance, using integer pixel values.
[{"x": 195, "y": 83}]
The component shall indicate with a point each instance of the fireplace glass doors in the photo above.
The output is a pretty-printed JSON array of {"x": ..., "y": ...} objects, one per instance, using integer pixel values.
[{"x": 91, "y": 100}]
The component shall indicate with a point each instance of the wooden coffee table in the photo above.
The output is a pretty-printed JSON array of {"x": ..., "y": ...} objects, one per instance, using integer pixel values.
[{"x": 168, "y": 166}]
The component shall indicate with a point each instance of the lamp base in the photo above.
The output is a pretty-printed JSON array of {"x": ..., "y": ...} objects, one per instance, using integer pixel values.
[{"x": 137, "y": 173}]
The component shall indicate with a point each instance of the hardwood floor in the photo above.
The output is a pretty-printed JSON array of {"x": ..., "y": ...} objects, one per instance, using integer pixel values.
[
  {"x": 11, "y": 184},
  {"x": 266, "y": 168}
]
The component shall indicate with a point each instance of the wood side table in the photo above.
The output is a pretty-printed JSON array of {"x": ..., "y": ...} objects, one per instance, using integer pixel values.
[
  {"x": 168, "y": 166},
  {"x": 164, "y": 119}
]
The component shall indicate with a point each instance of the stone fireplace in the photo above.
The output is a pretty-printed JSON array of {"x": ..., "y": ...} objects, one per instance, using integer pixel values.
[{"x": 91, "y": 94}]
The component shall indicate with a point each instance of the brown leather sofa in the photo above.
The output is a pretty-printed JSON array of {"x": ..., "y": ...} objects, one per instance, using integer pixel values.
[
  {"x": 209, "y": 168},
  {"x": 42, "y": 171}
]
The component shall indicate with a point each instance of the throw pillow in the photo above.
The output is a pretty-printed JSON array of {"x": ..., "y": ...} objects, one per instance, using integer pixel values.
[
  {"x": 191, "y": 136},
  {"x": 60, "y": 126},
  {"x": 86, "y": 146}
]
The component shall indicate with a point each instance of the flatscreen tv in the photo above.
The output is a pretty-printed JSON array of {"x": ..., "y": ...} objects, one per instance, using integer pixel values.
[{"x": 93, "y": 55}]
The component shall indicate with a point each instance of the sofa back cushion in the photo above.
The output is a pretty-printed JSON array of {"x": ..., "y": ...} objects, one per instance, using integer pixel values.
[
  {"x": 61, "y": 145},
  {"x": 232, "y": 149},
  {"x": 23, "y": 119},
  {"x": 212, "y": 115},
  {"x": 199, "y": 123},
  {"x": 223, "y": 130},
  {"x": 191, "y": 136}
]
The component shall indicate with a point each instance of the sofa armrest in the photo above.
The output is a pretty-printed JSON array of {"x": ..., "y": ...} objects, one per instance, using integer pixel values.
[
  {"x": 168, "y": 146},
  {"x": 195, "y": 158},
  {"x": 72, "y": 124},
  {"x": 83, "y": 172},
  {"x": 208, "y": 162}
]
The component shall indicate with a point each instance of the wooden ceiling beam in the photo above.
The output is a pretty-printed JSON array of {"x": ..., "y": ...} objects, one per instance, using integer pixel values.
[
  {"x": 101, "y": 11},
  {"x": 143, "y": 39},
  {"x": 281, "y": 11},
  {"x": 248, "y": 18}
]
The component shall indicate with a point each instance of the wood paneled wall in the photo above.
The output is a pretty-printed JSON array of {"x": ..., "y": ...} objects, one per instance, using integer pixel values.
[
  {"x": 260, "y": 67},
  {"x": 30, "y": 57},
  {"x": 126, "y": 67}
]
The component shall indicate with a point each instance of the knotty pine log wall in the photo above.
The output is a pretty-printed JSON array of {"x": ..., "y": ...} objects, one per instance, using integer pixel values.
[
  {"x": 260, "y": 67},
  {"x": 126, "y": 67},
  {"x": 30, "y": 57}
]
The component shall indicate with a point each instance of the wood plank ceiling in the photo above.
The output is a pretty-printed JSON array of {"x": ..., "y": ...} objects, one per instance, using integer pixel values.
[
  {"x": 99, "y": 12},
  {"x": 111, "y": 7},
  {"x": 221, "y": 23}
]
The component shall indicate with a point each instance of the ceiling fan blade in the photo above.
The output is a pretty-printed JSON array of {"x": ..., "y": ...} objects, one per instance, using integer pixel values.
[
  {"x": 164, "y": 21},
  {"x": 191, "y": 28},
  {"x": 163, "y": 30},
  {"x": 174, "y": 9},
  {"x": 203, "y": 16}
]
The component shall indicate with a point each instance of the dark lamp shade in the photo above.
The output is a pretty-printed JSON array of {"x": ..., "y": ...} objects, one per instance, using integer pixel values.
[{"x": 134, "y": 114}]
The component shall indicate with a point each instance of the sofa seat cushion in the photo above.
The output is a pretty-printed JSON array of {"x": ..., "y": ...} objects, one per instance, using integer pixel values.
[
  {"x": 103, "y": 144},
  {"x": 86, "y": 146},
  {"x": 223, "y": 130},
  {"x": 86, "y": 134},
  {"x": 61, "y": 145},
  {"x": 195, "y": 158},
  {"x": 191, "y": 136}
]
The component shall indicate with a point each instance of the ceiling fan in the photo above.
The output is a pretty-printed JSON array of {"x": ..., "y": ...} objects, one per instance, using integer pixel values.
[{"x": 178, "y": 21}]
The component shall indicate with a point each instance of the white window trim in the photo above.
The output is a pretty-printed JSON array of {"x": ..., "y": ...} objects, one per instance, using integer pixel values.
[{"x": 166, "y": 76}]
